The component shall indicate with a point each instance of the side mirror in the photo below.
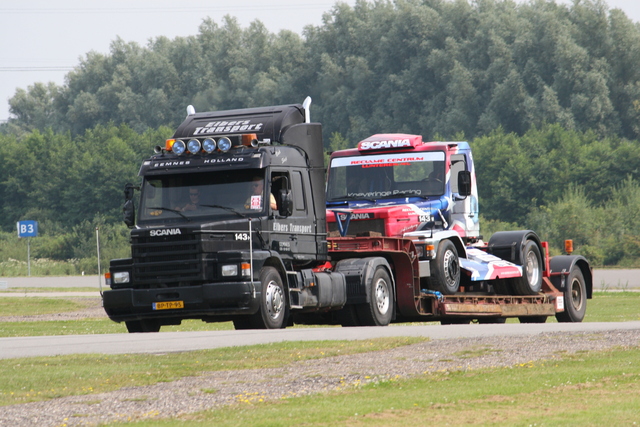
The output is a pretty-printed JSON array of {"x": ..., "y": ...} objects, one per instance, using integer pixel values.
[
  {"x": 285, "y": 207},
  {"x": 128, "y": 191},
  {"x": 129, "y": 209},
  {"x": 129, "y": 213},
  {"x": 464, "y": 183}
]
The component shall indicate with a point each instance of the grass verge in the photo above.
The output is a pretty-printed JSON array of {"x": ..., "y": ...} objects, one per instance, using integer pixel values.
[
  {"x": 86, "y": 374},
  {"x": 588, "y": 389},
  {"x": 604, "y": 307}
]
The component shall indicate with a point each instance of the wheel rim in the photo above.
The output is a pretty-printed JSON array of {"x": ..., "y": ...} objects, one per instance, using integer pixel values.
[
  {"x": 533, "y": 270},
  {"x": 274, "y": 300},
  {"x": 576, "y": 294},
  {"x": 382, "y": 296},
  {"x": 451, "y": 269}
]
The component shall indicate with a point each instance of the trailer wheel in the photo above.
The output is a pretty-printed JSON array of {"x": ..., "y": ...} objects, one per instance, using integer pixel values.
[
  {"x": 532, "y": 319},
  {"x": 145, "y": 325},
  {"x": 377, "y": 311},
  {"x": 531, "y": 281},
  {"x": 273, "y": 310},
  {"x": 446, "y": 270},
  {"x": 491, "y": 320},
  {"x": 575, "y": 298}
]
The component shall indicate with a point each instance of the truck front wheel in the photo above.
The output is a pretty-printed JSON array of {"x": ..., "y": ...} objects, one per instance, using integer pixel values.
[
  {"x": 531, "y": 281},
  {"x": 273, "y": 310},
  {"x": 377, "y": 311},
  {"x": 575, "y": 298},
  {"x": 446, "y": 270}
]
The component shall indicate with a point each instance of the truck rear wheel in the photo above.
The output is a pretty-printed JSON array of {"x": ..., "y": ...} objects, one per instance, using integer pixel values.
[
  {"x": 273, "y": 310},
  {"x": 145, "y": 325},
  {"x": 575, "y": 298},
  {"x": 446, "y": 270},
  {"x": 378, "y": 310},
  {"x": 531, "y": 281}
]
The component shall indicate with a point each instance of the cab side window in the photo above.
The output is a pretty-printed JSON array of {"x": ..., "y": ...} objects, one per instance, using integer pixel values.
[{"x": 458, "y": 163}]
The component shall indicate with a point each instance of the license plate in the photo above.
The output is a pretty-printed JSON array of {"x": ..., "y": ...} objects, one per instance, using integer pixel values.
[{"x": 168, "y": 305}]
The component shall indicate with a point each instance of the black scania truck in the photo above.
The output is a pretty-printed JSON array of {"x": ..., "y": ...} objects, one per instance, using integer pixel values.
[{"x": 230, "y": 224}]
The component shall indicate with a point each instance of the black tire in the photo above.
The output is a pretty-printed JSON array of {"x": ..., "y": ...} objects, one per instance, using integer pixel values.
[
  {"x": 243, "y": 322},
  {"x": 445, "y": 275},
  {"x": 491, "y": 320},
  {"x": 575, "y": 298},
  {"x": 348, "y": 316},
  {"x": 273, "y": 311},
  {"x": 532, "y": 319},
  {"x": 502, "y": 287},
  {"x": 378, "y": 310},
  {"x": 146, "y": 325},
  {"x": 531, "y": 281}
]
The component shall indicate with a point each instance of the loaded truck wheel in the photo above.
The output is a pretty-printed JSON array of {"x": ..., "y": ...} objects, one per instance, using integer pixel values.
[
  {"x": 145, "y": 325},
  {"x": 532, "y": 319},
  {"x": 445, "y": 276},
  {"x": 273, "y": 310},
  {"x": 378, "y": 310},
  {"x": 575, "y": 298},
  {"x": 531, "y": 281}
]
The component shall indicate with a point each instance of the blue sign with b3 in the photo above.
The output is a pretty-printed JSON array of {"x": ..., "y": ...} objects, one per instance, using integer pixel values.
[{"x": 27, "y": 228}]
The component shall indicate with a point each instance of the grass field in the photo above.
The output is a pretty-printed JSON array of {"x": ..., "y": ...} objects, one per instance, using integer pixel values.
[
  {"x": 592, "y": 389},
  {"x": 595, "y": 388}
]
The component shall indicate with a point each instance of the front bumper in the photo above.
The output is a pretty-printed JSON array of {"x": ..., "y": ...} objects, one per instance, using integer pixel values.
[{"x": 200, "y": 302}]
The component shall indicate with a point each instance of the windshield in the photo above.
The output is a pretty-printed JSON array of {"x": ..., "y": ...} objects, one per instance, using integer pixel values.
[
  {"x": 186, "y": 196},
  {"x": 386, "y": 176}
]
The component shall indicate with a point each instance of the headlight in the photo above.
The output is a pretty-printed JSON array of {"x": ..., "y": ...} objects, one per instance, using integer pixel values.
[
  {"x": 209, "y": 145},
  {"x": 193, "y": 146},
  {"x": 224, "y": 144},
  {"x": 178, "y": 147},
  {"x": 121, "y": 277},
  {"x": 426, "y": 251},
  {"x": 230, "y": 270}
]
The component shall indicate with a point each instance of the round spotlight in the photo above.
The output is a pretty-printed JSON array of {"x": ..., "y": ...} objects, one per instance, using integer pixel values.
[
  {"x": 209, "y": 145},
  {"x": 224, "y": 144},
  {"x": 193, "y": 146},
  {"x": 179, "y": 147}
]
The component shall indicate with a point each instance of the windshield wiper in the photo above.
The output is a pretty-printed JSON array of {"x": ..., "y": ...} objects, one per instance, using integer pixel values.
[
  {"x": 170, "y": 210},
  {"x": 225, "y": 208},
  {"x": 351, "y": 198},
  {"x": 406, "y": 194}
]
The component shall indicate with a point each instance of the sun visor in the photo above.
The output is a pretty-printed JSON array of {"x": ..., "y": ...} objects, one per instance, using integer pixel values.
[{"x": 267, "y": 123}]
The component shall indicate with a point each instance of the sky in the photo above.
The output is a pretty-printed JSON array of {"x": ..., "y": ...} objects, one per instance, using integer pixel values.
[{"x": 42, "y": 40}]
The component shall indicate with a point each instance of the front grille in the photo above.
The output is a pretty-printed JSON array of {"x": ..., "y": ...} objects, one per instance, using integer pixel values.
[
  {"x": 361, "y": 227},
  {"x": 167, "y": 260}
]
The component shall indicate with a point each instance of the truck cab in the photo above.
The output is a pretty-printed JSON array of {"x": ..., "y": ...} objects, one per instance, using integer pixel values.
[
  {"x": 230, "y": 204},
  {"x": 394, "y": 184}
]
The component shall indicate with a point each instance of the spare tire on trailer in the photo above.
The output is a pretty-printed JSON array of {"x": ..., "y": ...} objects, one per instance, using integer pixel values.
[
  {"x": 531, "y": 281},
  {"x": 521, "y": 248}
]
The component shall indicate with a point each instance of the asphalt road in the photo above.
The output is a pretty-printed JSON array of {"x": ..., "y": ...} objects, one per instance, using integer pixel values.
[
  {"x": 166, "y": 342},
  {"x": 185, "y": 341}
]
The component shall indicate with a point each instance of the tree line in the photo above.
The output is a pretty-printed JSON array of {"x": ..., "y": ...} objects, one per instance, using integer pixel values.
[{"x": 435, "y": 67}]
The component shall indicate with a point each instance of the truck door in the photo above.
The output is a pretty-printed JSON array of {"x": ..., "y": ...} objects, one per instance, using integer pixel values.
[{"x": 293, "y": 236}]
